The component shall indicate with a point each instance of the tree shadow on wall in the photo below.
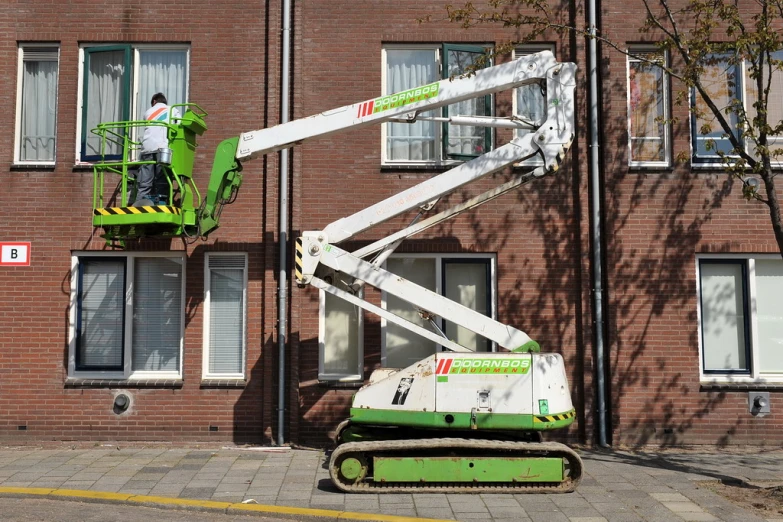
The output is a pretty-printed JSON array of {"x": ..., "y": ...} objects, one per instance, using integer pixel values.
[{"x": 653, "y": 227}]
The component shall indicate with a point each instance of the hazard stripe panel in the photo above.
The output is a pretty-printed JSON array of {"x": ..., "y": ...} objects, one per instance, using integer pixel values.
[
  {"x": 127, "y": 211},
  {"x": 554, "y": 418},
  {"x": 299, "y": 253}
]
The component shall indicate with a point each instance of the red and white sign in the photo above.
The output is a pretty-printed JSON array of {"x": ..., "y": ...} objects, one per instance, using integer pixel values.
[{"x": 14, "y": 254}]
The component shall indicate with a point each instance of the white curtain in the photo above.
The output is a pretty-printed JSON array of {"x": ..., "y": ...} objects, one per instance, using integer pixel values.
[
  {"x": 101, "y": 309},
  {"x": 647, "y": 109},
  {"x": 406, "y": 69},
  {"x": 163, "y": 71},
  {"x": 464, "y": 139},
  {"x": 105, "y": 93},
  {"x": 404, "y": 347},
  {"x": 466, "y": 284},
  {"x": 774, "y": 101},
  {"x": 157, "y": 314},
  {"x": 341, "y": 350},
  {"x": 226, "y": 314},
  {"x": 723, "y": 316},
  {"x": 769, "y": 314},
  {"x": 39, "y": 105},
  {"x": 720, "y": 80}
]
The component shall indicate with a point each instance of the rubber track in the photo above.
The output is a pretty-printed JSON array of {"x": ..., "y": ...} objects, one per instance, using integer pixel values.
[{"x": 403, "y": 447}]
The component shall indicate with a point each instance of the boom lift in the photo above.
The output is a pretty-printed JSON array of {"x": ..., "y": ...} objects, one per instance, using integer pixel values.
[{"x": 457, "y": 421}]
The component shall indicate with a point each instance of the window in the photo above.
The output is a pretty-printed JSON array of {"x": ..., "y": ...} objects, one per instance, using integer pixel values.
[
  {"x": 731, "y": 83},
  {"x": 530, "y": 101},
  {"x": 426, "y": 141},
  {"x": 36, "y": 109},
  {"x": 648, "y": 109},
  {"x": 225, "y": 312},
  {"x": 741, "y": 321},
  {"x": 774, "y": 104},
  {"x": 466, "y": 279},
  {"x": 127, "y": 315},
  {"x": 117, "y": 83},
  {"x": 723, "y": 83}
]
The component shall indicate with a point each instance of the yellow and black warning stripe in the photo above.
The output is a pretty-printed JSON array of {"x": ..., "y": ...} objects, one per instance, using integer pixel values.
[
  {"x": 129, "y": 211},
  {"x": 555, "y": 418},
  {"x": 298, "y": 262}
]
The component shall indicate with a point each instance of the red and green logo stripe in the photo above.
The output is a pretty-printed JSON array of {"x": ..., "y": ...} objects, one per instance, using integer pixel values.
[
  {"x": 400, "y": 99},
  {"x": 500, "y": 366}
]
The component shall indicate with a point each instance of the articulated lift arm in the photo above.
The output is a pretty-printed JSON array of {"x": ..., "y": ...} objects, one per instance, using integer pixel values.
[
  {"x": 318, "y": 258},
  {"x": 226, "y": 177}
]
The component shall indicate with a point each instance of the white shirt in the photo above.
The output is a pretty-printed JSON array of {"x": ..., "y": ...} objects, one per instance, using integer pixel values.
[{"x": 156, "y": 136}]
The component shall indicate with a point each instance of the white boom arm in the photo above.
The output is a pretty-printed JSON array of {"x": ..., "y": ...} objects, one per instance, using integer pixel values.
[
  {"x": 319, "y": 260},
  {"x": 399, "y": 106}
]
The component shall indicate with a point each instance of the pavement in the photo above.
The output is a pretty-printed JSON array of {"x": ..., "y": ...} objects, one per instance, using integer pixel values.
[{"x": 617, "y": 486}]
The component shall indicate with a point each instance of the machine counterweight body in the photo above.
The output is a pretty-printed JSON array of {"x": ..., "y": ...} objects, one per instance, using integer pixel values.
[{"x": 489, "y": 391}]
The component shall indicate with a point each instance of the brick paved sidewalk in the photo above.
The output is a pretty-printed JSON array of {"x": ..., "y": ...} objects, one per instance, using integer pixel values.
[{"x": 617, "y": 486}]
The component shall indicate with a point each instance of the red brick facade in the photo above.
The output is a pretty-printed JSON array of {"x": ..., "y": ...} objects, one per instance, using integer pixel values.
[{"x": 655, "y": 224}]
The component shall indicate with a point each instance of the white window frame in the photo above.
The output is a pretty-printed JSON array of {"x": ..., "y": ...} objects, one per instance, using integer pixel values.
[
  {"x": 439, "y": 258},
  {"x": 756, "y": 374},
  {"x": 667, "y": 149},
  {"x": 205, "y": 373},
  {"x": 520, "y": 52},
  {"x": 712, "y": 160},
  {"x": 19, "y": 98},
  {"x": 134, "y": 98},
  {"x": 126, "y": 374},
  {"x": 774, "y": 142},
  {"x": 442, "y": 159}
]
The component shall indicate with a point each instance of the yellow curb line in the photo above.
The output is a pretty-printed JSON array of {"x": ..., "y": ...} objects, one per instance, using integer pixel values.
[{"x": 212, "y": 504}]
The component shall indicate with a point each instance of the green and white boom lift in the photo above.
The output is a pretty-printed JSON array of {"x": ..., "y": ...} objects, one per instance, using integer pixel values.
[{"x": 457, "y": 421}]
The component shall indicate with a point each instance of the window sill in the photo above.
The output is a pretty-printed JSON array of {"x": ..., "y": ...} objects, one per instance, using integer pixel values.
[
  {"x": 32, "y": 166},
  {"x": 76, "y": 382},
  {"x": 653, "y": 167},
  {"x": 341, "y": 385},
  {"x": 424, "y": 168},
  {"x": 739, "y": 386},
  {"x": 223, "y": 383}
]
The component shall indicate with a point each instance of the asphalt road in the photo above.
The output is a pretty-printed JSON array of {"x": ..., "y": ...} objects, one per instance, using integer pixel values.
[{"x": 44, "y": 510}]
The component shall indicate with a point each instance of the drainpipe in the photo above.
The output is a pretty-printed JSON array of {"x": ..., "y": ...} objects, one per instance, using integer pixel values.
[
  {"x": 283, "y": 231},
  {"x": 595, "y": 225}
]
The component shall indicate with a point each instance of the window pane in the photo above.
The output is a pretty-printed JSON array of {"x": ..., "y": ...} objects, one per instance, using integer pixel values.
[
  {"x": 226, "y": 314},
  {"x": 403, "y": 347},
  {"x": 157, "y": 314},
  {"x": 105, "y": 93},
  {"x": 774, "y": 101},
  {"x": 720, "y": 82},
  {"x": 769, "y": 314},
  {"x": 723, "y": 316},
  {"x": 101, "y": 305},
  {"x": 406, "y": 69},
  {"x": 39, "y": 104},
  {"x": 530, "y": 102},
  {"x": 341, "y": 338},
  {"x": 464, "y": 139},
  {"x": 466, "y": 284},
  {"x": 161, "y": 71},
  {"x": 646, "y": 104}
]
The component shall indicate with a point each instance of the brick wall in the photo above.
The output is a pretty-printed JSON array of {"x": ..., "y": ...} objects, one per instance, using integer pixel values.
[
  {"x": 536, "y": 231},
  {"x": 656, "y": 223},
  {"x": 233, "y": 76}
]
